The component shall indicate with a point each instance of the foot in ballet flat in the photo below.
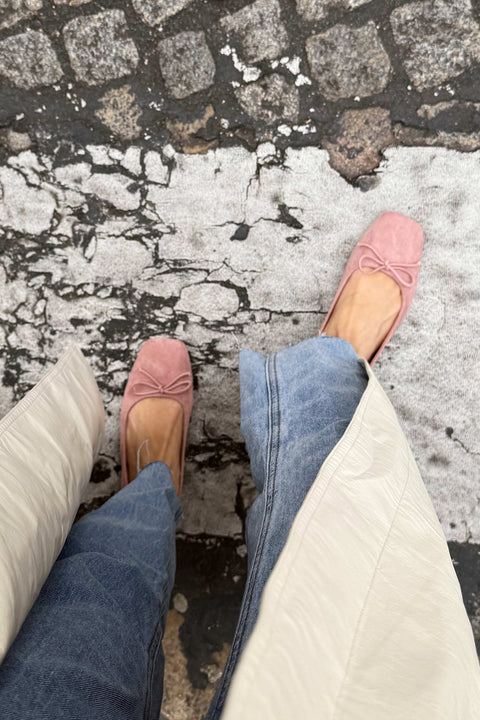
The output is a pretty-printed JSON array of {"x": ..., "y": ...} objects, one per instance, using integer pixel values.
[
  {"x": 156, "y": 409},
  {"x": 377, "y": 286}
]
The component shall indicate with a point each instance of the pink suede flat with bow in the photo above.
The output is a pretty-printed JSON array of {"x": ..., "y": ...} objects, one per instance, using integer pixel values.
[
  {"x": 162, "y": 370},
  {"x": 392, "y": 244}
]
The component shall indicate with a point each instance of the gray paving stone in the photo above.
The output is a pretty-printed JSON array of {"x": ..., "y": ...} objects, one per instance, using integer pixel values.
[
  {"x": 258, "y": 29},
  {"x": 269, "y": 99},
  {"x": 12, "y": 11},
  {"x": 465, "y": 142},
  {"x": 120, "y": 112},
  {"x": 439, "y": 38},
  {"x": 72, "y": 3},
  {"x": 186, "y": 63},
  {"x": 358, "y": 139},
  {"x": 154, "y": 12},
  {"x": 318, "y": 9},
  {"x": 100, "y": 48},
  {"x": 29, "y": 60},
  {"x": 347, "y": 61},
  {"x": 15, "y": 141},
  {"x": 460, "y": 117}
]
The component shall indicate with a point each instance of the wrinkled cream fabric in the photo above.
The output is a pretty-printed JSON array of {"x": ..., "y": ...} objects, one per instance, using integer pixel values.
[
  {"x": 48, "y": 443},
  {"x": 362, "y": 617}
]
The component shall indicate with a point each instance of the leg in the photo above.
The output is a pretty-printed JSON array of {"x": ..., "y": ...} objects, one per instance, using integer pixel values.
[
  {"x": 91, "y": 645},
  {"x": 296, "y": 405}
]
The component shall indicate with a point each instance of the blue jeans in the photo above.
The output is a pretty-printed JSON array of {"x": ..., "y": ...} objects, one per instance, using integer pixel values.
[{"x": 91, "y": 647}]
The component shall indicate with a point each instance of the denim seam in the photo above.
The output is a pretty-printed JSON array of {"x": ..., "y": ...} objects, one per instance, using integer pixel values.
[
  {"x": 273, "y": 446},
  {"x": 153, "y": 650}
]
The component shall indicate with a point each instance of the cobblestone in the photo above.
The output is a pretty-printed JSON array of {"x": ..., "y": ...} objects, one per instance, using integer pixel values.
[
  {"x": 259, "y": 31},
  {"x": 120, "y": 113},
  {"x": 439, "y": 38},
  {"x": 154, "y": 12},
  {"x": 186, "y": 63},
  {"x": 12, "y": 11},
  {"x": 269, "y": 99},
  {"x": 28, "y": 60},
  {"x": 225, "y": 75},
  {"x": 318, "y": 9},
  {"x": 100, "y": 48},
  {"x": 189, "y": 135},
  {"x": 466, "y": 142},
  {"x": 16, "y": 142},
  {"x": 348, "y": 62},
  {"x": 357, "y": 140}
]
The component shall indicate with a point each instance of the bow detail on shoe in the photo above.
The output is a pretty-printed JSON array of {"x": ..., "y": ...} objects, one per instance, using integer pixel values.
[
  {"x": 377, "y": 262},
  {"x": 151, "y": 387}
]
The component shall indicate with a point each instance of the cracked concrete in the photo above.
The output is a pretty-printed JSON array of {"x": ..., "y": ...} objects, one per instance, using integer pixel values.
[{"x": 94, "y": 250}]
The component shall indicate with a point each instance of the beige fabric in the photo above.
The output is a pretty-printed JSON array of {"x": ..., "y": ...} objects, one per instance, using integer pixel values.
[
  {"x": 48, "y": 443},
  {"x": 362, "y": 617}
]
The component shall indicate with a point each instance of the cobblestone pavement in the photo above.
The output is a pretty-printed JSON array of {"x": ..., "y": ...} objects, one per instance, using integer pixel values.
[
  {"x": 354, "y": 76},
  {"x": 160, "y": 173}
]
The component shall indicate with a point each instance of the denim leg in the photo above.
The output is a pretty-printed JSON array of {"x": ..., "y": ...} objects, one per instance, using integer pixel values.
[
  {"x": 91, "y": 645},
  {"x": 295, "y": 406}
]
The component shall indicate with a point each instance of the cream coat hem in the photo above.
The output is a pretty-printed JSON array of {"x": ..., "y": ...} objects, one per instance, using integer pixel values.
[
  {"x": 362, "y": 617},
  {"x": 48, "y": 443}
]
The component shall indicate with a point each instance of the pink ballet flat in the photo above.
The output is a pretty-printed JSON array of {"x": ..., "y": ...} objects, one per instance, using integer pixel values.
[
  {"x": 393, "y": 244},
  {"x": 162, "y": 370}
]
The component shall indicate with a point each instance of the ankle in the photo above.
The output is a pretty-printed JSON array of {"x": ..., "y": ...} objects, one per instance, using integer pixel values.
[{"x": 358, "y": 331}]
